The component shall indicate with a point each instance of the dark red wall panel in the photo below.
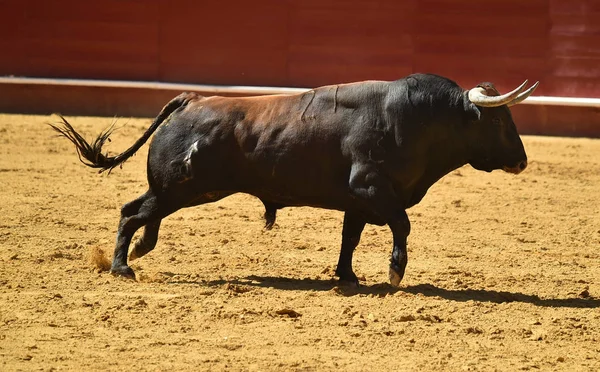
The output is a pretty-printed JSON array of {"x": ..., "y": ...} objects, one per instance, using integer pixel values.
[
  {"x": 12, "y": 40},
  {"x": 574, "y": 66},
  {"x": 343, "y": 41},
  {"x": 69, "y": 38},
  {"x": 242, "y": 42}
]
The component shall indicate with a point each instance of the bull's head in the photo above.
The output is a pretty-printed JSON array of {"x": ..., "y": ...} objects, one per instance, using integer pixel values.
[{"x": 495, "y": 143}]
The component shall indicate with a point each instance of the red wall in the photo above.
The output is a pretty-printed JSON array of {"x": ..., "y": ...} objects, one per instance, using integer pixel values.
[{"x": 306, "y": 43}]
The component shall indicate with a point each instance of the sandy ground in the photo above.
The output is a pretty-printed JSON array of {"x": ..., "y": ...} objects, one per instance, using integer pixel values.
[{"x": 503, "y": 273}]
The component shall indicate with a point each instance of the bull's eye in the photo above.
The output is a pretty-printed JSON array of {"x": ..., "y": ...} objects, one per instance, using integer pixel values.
[{"x": 496, "y": 121}]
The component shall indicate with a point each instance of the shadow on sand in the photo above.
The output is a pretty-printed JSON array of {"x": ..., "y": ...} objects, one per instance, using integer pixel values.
[{"x": 382, "y": 289}]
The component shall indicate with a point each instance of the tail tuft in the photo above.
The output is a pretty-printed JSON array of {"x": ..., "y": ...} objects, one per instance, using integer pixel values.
[{"x": 89, "y": 154}]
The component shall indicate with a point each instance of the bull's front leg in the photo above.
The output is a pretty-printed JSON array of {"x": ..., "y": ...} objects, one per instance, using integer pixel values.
[
  {"x": 378, "y": 195},
  {"x": 400, "y": 227},
  {"x": 353, "y": 227}
]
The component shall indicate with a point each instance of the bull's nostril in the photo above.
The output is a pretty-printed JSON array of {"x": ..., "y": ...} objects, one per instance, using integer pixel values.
[{"x": 523, "y": 165}]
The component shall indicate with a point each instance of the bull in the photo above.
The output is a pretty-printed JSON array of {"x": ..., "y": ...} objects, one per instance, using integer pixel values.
[{"x": 370, "y": 149}]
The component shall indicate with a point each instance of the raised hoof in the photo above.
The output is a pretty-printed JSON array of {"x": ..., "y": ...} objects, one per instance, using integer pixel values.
[
  {"x": 124, "y": 271},
  {"x": 140, "y": 249},
  {"x": 133, "y": 255},
  {"x": 395, "y": 277}
]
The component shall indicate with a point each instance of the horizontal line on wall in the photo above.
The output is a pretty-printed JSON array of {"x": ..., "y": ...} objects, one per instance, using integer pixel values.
[
  {"x": 216, "y": 89},
  {"x": 246, "y": 90}
]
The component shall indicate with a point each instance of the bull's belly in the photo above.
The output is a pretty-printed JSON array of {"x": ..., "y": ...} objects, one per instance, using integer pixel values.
[
  {"x": 337, "y": 202},
  {"x": 340, "y": 200},
  {"x": 305, "y": 182}
]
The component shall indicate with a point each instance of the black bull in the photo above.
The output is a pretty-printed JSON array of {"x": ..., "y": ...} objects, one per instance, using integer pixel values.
[{"x": 371, "y": 149}]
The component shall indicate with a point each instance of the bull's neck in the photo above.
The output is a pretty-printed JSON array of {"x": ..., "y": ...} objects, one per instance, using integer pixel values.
[
  {"x": 445, "y": 152},
  {"x": 449, "y": 150}
]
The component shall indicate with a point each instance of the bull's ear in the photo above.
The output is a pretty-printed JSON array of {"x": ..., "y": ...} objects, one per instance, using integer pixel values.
[{"x": 472, "y": 112}]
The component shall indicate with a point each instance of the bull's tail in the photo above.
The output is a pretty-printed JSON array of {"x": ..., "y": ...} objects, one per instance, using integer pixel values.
[{"x": 91, "y": 154}]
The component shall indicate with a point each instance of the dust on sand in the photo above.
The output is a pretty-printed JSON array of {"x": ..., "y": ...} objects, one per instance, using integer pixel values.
[
  {"x": 98, "y": 259},
  {"x": 503, "y": 271}
]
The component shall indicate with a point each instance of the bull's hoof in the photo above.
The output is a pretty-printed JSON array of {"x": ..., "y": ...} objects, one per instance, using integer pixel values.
[
  {"x": 349, "y": 283},
  {"x": 133, "y": 255},
  {"x": 395, "y": 276},
  {"x": 347, "y": 278},
  {"x": 140, "y": 249},
  {"x": 124, "y": 271}
]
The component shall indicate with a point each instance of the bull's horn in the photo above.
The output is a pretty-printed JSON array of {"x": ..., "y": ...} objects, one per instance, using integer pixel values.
[
  {"x": 479, "y": 97},
  {"x": 522, "y": 96}
]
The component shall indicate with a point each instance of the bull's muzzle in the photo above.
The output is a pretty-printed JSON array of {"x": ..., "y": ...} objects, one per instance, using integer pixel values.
[{"x": 518, "y": 169}]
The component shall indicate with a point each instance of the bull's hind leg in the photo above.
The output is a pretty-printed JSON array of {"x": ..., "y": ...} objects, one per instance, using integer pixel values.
[
  {"x": 134, "y": 215},
  {"x": 148, "y": 210},
  {"x": 149, "y": 238}
]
